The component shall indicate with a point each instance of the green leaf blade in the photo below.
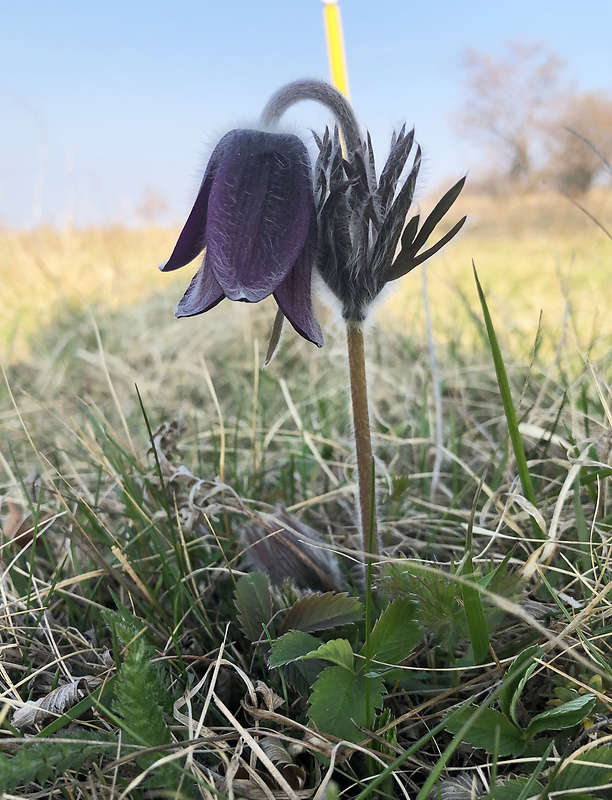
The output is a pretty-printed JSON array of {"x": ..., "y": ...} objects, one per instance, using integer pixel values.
[
  {"x": 341, "y": 700},
  {"x": 254, "y": 604},
  {"x": 338, "y": 651},
  {"x": 475, "y": 618},
  {"x": 506, "y": 396},
  {"x": 317, "y": 612},
  {"x": 563, "y": 716},
  {"x": 597, "y": 770},
  {"x": 291, "y": 647},
  {"x": 516, "y": 676},
  {"x": 395, "y": 634},
  {"x": 482, "y": 732},
  {"x": 514, "y": 789}
]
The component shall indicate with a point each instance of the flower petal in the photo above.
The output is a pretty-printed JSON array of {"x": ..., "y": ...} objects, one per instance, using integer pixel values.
[
  {"x": 192, "y": 238},
  {"x": 202, "y": 294},
  {"x": 294, "y": 294},
  {"x": 259, "y": 213}
]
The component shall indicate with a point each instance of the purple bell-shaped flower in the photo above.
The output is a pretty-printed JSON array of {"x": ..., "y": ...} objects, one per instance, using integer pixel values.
[{"x": 255, "y": 219}]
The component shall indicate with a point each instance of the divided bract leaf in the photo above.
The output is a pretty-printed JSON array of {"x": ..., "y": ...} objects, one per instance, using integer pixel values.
[
  {"x": 340, "y": 701},
  {"x": 395, "y": 634},
  {"x": 254, "y": 604},
  {"x": 318, "y": 612}
]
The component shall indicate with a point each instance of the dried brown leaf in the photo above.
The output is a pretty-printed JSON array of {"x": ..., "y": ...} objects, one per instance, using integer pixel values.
[
  {"x": 55, "y": 703},
  {"x": 292, "y": 773},
  {"x": 19, "y": 527},
  {"x": 271, "y": 700}
]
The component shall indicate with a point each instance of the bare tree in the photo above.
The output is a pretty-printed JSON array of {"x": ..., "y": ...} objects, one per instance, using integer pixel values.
[
  {"x": 510, "y": 95},
  {"x": 579, "y": 141}
]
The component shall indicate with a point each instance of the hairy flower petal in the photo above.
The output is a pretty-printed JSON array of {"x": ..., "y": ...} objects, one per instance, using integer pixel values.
[
  {"x": 192, "y": 239},
  {"x": 259, "y": 213},
  {"x": 255, "y": 218},
  {"x": 294, "y": 294},
  {"x": 202, "y": 294}
]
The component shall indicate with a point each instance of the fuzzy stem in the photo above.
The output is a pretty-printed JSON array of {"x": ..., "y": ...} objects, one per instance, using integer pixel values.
[
  {"x": 363, "y": 439},
  {"x": 320, "y": 92}
]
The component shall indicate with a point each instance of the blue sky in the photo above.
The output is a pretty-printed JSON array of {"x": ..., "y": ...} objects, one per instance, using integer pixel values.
[{"x": 102, "y": 102}]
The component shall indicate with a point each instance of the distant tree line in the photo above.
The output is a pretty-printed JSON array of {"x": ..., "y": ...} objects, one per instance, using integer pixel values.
[{"x": 538, "y": 129}]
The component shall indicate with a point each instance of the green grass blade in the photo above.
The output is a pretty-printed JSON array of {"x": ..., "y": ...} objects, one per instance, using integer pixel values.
[
  {"x": 476, "y": 621},
  {"x": 506, "y": 396},
  {"x": 472, "y": 600}
]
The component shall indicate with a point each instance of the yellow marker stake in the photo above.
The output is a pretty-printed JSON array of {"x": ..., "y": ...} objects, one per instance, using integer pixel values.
[{"x": 335, "y": 46}]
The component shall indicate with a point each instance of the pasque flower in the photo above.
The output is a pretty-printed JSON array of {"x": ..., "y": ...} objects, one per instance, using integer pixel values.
[
  {"x": 255, "y": 219},
  {"x": 265, "y": 220}
]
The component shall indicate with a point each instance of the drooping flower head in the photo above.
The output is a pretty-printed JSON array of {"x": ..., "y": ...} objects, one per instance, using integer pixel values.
[{"x": 254, "y": 218}]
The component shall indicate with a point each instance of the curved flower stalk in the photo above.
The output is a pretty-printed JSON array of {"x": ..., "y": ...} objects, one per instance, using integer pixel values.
[{"x": 255, "y": 218}]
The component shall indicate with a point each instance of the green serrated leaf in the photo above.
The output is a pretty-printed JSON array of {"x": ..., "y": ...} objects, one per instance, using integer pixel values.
[
  {"x": 482, "y": 731},
  {"x": 564, "y": 716},
  {"x": 338, "y": 651},
  {"x": 254, "y": 604},
  {"x": 317, "y": 612},
  {"x": 395, "y": 634},
  {"x": 514, "y": 788},
  {"x": 576, "y": 774},
  {"x": 339, "y": 696},
  {"x": 291, "y": 647}
]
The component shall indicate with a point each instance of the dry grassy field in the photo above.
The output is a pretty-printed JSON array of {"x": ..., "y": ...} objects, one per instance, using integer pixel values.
[{"x": 533, "y": 253}]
